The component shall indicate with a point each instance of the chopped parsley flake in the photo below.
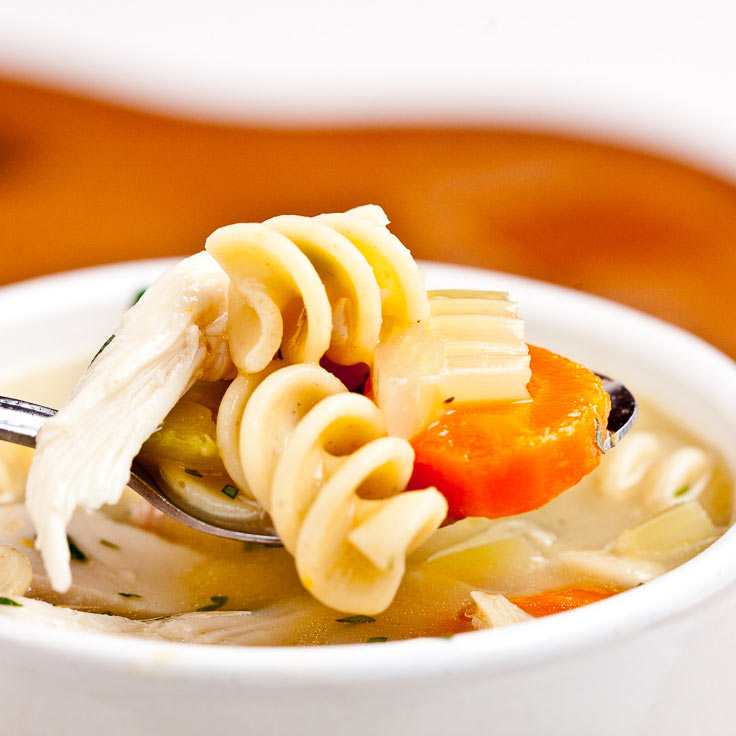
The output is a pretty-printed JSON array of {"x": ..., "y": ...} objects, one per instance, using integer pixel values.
[
  {"x": 377, "y": 639},
  {"x": 682, "y": 491},
  {"x": 250, "y": 546},
  {"x": 218, "y": 601},
  {"x": 106, "y": 543},
  {"x": 191, "y": 471},
  {"x": 9, "y": 602},
  {"x": 359, "y": 619},
  {"x": 75, "y": 552},
  {"x": 230, "y": 490},
  {"x": 104, "y": 345},
  {"x": 130, "y": 595},
  {"x": 138, "y": 295}
]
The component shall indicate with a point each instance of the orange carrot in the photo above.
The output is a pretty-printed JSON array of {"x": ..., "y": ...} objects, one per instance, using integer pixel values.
[
  {"x": 499, "y": 459},
  {"x": 561, "y": 599}
]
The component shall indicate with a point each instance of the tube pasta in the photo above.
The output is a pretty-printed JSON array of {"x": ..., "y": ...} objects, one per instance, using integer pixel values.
[
  {"x": 317, "y": 458},
  {"x": 330, "y": 285}
]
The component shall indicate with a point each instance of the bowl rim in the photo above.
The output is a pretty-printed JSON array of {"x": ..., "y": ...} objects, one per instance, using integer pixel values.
[{"x": 494, "y": 651}]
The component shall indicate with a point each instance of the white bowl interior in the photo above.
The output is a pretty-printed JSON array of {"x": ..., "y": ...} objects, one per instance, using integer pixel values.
[{"x": 48, "y": 319}]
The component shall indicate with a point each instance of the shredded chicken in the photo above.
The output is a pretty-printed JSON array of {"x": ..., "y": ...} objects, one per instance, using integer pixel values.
[{"x": 173, "y": 336}]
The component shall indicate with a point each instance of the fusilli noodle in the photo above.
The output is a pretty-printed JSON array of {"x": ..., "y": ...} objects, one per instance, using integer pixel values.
[{"x": 317, "y": 458}]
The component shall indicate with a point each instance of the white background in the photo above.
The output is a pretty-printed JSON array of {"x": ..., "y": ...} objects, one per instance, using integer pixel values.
[{"x": 662, "y": 73}]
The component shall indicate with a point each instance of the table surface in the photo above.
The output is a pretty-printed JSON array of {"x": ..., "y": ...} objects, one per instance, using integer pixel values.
[{"x": 82, "y": 182}]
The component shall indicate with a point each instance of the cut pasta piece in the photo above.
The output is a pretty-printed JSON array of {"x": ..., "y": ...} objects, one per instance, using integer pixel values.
[
  {"x": 15, "y": 571},
  {"x": 670, "y": 536},
  {"x": 496, "y": 610}
]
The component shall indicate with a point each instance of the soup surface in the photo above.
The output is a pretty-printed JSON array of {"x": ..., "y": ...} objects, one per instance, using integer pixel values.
[{"x": 130, "y": 562}]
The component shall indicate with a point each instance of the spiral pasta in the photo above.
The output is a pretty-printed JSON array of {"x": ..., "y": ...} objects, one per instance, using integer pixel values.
[
  {"x": 317, "y": 458},
  {"x": 662, "y": 474},
  {"x": 313, "y": 286}
]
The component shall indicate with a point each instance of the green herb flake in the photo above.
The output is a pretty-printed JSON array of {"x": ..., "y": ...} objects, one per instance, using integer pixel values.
[
  {"x": 75, "y": 552},
  {"x": 9, "y": 602},
  {"x": 251, "y": 546},
  {"x": 218, "y": 601},
  {"x": 107, "y": 543},
  {"x": 161, "y": 618},
  {"x": 104, "y": 345},
  {"x": 230, "y": 490},
  {"x": 359, "y": 619},
  {"x": 130, "y": 595},
  {"x": 138, "y": 295},
  {"x": 377, "y": 639},
  {"x": 191, "y": 471},
  {"x": 682, "y": 491},
  {"x": 599, "y": 439}
]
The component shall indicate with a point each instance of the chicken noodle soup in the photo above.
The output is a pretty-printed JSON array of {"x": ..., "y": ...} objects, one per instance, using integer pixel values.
[{"x": 251, "y": 423}]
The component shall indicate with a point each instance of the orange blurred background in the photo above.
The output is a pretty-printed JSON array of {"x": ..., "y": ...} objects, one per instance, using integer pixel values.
[{"x": 83, "y": 182}]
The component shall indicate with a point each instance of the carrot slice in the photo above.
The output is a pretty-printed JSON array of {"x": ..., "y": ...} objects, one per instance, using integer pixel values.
[
  {"x": 561, "y": 599},
  {"x": 499, "y": 459}
]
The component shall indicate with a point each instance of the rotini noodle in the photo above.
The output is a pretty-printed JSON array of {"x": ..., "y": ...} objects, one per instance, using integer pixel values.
[
  {"x": 317, "y": 458},
  {"x": 679, "y": 477},
  {"x": 330, "y": 285},
  {"x": 663, "y": 476}
]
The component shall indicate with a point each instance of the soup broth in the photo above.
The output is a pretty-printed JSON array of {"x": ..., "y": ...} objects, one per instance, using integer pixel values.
[{"x": 132, "y": 562}]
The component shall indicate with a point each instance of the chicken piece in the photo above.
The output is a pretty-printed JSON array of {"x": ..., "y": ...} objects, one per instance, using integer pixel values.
[{"x": 174, "y": 335}]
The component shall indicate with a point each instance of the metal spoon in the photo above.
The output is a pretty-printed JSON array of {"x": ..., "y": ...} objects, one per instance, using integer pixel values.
[{"x": 20, "y": 422}]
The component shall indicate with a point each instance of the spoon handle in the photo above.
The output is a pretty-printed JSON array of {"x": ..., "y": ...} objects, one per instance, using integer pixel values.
[{"x": 21, "y": 420}]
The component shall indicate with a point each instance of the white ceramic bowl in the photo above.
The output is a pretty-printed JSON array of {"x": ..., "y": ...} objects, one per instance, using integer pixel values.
[{"x": 653, "y": 660}]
